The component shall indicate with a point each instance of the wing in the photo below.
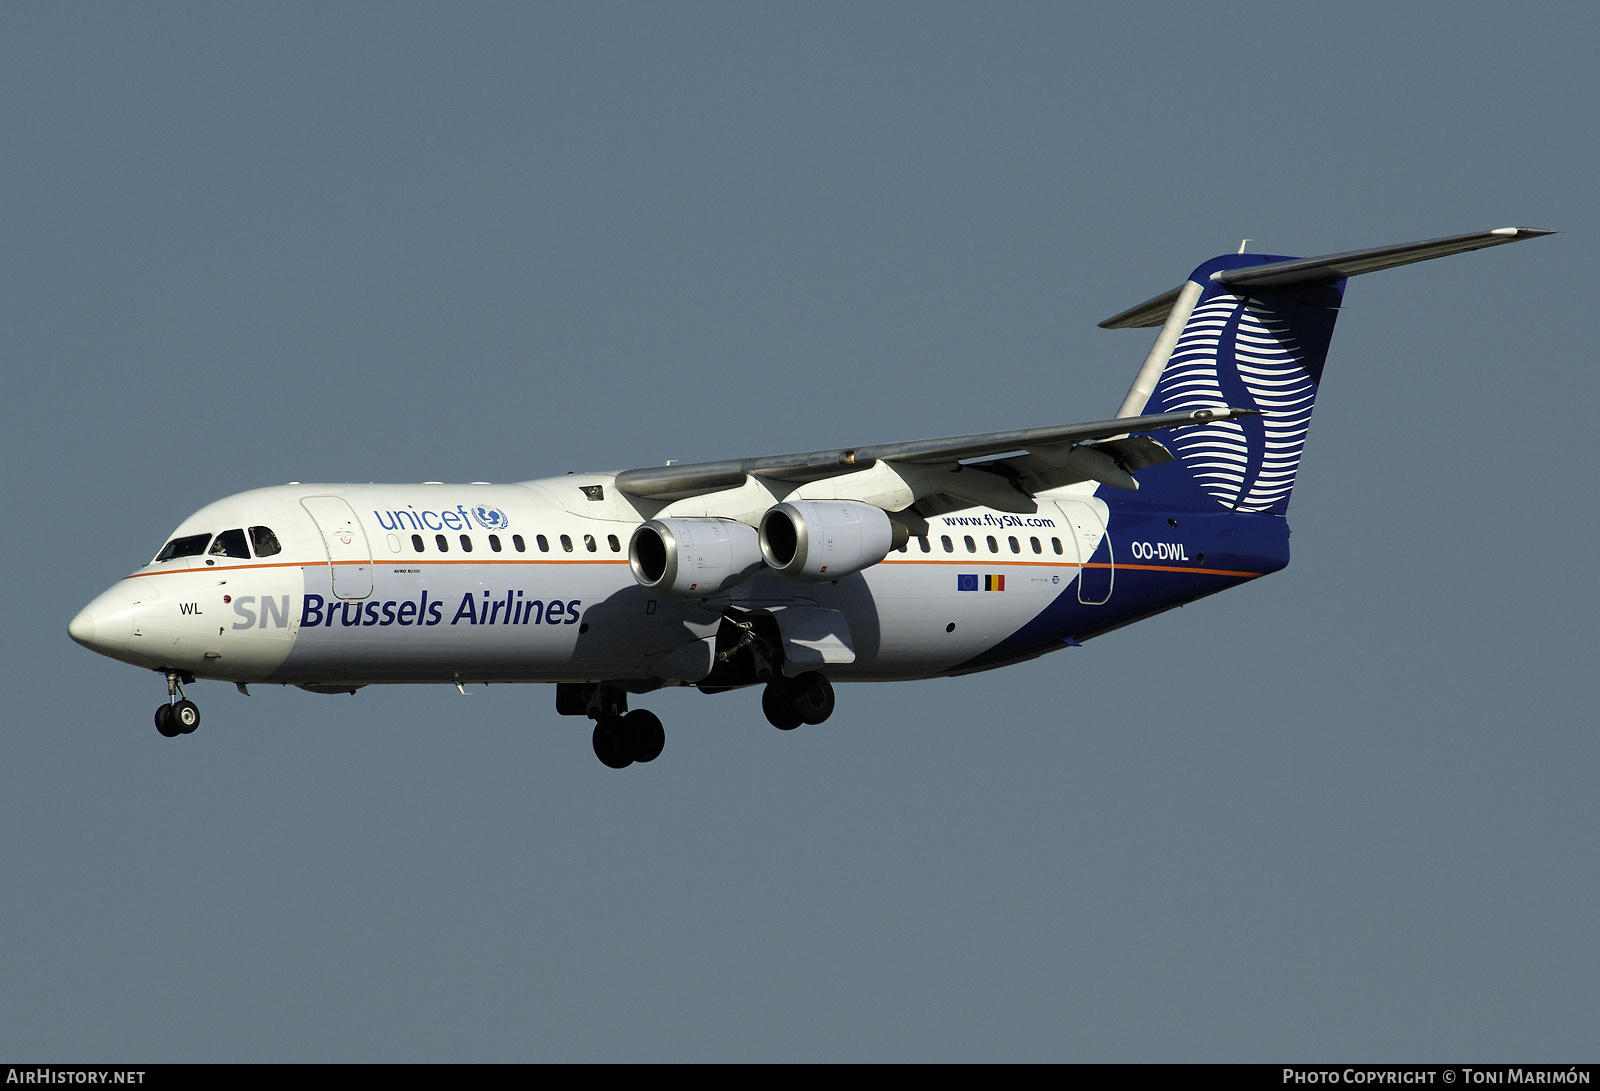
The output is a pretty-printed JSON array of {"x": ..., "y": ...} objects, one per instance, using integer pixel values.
[{"x": 1001, "y": 469}]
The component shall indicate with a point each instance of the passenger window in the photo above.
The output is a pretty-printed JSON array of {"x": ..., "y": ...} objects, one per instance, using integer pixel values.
[
  {"x": 230, "y": 543},
  {"x": 566, "y": 543},
  {"x": 442, "y": 542},
  {"x": 972, "y": 547},
  {"x": 192, "y": 546},
  {"x": 922, "y": 543},
  {"x": 588, "y": 542},
  {"x": 544, "y": 543},
  {"x": 994, "y": 546},
  {"x": 521, "y": 546},
  {"x": 416, "y": 542},
  {"x": 1037, "y": 548},
  {"x": 466, "y": 544},
  {"x": 494, "y": 542},
  {"x": 1015, "y": 547},
  {"x": 1055, "y": 544},
  {"x": 265, "y": 541},
  {"x": 949, "y": 546},
  {"x": 611, "y": 540}
]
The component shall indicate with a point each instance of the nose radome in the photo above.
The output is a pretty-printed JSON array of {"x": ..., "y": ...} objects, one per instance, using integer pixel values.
[
  {"x": 105, "y": 624},
  {"x": 81, "y": 628}
]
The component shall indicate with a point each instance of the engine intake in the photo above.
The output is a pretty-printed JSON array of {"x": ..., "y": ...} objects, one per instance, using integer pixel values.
[
  {"x": 821, "y": 540},
  {"x": 693, "y": 558}
]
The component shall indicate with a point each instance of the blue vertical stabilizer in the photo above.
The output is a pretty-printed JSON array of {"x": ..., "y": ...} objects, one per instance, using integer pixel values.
[{"x": 1248, "y": 348}]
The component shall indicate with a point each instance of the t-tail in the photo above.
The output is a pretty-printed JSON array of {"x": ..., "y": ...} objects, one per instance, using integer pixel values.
[{"x": 1251, "y": 331}]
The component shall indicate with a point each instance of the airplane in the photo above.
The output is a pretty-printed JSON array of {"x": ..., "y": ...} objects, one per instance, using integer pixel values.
[{"x": 923, "y": 559}]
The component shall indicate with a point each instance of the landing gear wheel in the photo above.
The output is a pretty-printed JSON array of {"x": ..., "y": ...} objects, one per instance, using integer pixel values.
[
  {"x": 777, "y": 702},
  {"x": 164, "y": 722},
  {"x": 613, "y": 742},
  {"x": 812, "y": 697},
  {"x": 186, "y": 716},
  {"x": 648, "y": 736}
]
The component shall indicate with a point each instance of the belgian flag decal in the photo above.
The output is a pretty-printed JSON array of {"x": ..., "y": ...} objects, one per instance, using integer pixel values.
[{"x": 969, "y": 582}]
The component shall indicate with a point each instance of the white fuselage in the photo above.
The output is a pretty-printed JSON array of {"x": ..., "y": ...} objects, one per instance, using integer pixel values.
[{"x": 531, "y": 583}]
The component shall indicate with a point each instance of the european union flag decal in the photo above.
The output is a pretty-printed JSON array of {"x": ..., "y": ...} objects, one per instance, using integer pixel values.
[{"x": 966, "y": 582}]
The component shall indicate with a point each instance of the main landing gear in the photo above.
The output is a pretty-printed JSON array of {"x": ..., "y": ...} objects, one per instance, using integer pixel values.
[
  {"x": 179, "y": 716},
  {"x": 804, "y": 699},
  {"x": 622, "y": 737}
]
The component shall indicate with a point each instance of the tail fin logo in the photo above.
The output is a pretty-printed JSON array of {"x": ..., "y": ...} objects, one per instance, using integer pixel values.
[{"x": 1262, "y": 353}]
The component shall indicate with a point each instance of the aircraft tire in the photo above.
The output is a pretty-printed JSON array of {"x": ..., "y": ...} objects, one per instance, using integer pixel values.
[
  {"x": 612, "y": 743},
  {"x": 777, "y": 702},
  {"x": 649, "y": 738},
  {"x": 812, "y": 697},
  {"x": 164, "y": 722},
  {"x": 186, "y": 716}
]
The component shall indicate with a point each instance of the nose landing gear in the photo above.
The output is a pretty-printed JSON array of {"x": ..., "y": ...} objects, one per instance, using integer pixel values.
[
  {"x": 619, "y": 741},
  {"x": 620, "y": 737},
  {"x": 181, "y": 716}
]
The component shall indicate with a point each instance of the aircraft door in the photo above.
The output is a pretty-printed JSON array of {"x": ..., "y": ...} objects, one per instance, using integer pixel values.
[
  {"x": 349, "y": 555},
  {"x": 1085, "y": 529}
]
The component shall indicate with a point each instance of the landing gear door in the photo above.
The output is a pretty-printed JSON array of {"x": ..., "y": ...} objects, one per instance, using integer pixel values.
[
  {"x": 1085, "y": 529},
  {"x": 349, "y": 555},
  {"x": 813, "y": 638}
]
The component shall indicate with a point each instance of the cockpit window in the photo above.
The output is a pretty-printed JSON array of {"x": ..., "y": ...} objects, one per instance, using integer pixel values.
[
  {"x": 265, "y": 541},
  {"x": 230, "y": 543},
  {"x": 192, "y": 546}
]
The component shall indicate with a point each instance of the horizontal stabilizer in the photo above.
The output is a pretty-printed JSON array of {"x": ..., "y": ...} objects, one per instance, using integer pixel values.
[
  {"x": 1152, "y": 312},
  {"x": 1306, "y": 272}
]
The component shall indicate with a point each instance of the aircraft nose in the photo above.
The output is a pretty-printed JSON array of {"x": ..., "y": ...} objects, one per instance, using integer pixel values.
[
  {"x": 81, "y": 628},
  {"x": 105, "y": 624}
]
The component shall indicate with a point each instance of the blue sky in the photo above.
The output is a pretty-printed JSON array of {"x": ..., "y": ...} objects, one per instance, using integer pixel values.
[{"x": 1347, "y": 811}]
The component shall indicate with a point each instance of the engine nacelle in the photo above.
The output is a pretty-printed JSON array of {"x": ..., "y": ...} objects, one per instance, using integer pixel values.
[
  {"x": 693, "y": 558},
  {"x": 821, "y": 540}
]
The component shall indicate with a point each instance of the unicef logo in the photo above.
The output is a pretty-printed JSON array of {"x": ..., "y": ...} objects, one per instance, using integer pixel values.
[{"x": 490, "y": 518}]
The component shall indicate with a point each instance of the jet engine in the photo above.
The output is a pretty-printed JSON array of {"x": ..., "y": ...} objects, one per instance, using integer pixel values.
[
  {"x": 821, "y": 540},
  {"x": 693, "y": 558}
]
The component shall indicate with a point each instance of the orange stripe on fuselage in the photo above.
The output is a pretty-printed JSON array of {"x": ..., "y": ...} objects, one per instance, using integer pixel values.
[
  {"x": 979, "y": 561},
  {"x": 579, "y": 560}
]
